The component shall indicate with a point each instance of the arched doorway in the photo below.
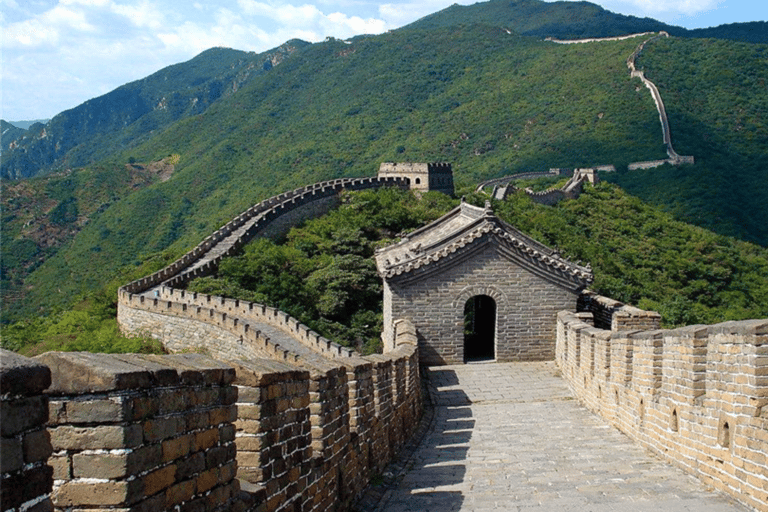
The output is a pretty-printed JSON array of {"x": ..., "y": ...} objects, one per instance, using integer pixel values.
[{"x": 479, "y": 328}]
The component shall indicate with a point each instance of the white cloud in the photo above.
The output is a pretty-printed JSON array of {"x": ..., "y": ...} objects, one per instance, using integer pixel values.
[
  {"x": 29, "y": 33},
  {"x": 144, "y": 14},
  {"x": 65, "y": 18},
  {"x": 310, "y": 20},
  {"x": 357, "y": 25},
  {"x": 87, "y": 3}
]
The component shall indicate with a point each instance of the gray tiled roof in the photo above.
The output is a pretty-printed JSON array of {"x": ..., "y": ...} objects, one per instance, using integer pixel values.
[{"x": 468, "y": 226}]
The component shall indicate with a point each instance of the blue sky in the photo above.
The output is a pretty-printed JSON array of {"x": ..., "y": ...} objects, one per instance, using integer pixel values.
[{"x": 56, "y": 54}]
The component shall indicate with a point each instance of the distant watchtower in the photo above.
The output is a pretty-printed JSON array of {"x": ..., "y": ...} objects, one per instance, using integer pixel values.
[{"x": 433, "y": 176}]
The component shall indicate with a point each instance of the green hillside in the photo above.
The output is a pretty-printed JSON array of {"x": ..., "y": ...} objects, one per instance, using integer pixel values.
[
  {"x": 488, "y": 101},
  {"x": 132, "y": 113},
  {"x": 563, "y": 20},
  {"x": 717, "y": 101},
  {"x": 577, "y": 20}
]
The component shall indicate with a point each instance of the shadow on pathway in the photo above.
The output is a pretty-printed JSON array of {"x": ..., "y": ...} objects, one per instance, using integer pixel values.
[{"x": 511, "y": 437}]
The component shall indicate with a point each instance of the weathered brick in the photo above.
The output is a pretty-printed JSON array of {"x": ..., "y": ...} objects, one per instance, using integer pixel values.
[
  {"x": 159, "y": 479},
  {"x": 179, "y": 493},
  {"x": 61, "y": 465},
  {"x": 81, "y": 494},
  {"x": 247, "y": 394},
  {"x": 207, "y": 480},
  {"x": 104, "y": 437},
  {"x": 177, "y": 447},
  {"x": 21, "y": 414},
  {"x": 37, "y": 446},
  {"x": 143, "y": 407},
  {"x": 12, "y": 458},
  {"x": 190, "y": 466},
  {"x": 103, "y": 410},
  {"x": 227, "y": 433},
  {"x": 21, "y": 375},
  {"x": 223, "y": 415},
  {"x": 158, "y": 429},
  {"x": 23, "y": 486},
  {"x": 113, "y": 466},
  {"x": 206, "y": 439},
  {"x": 249, "y": 443}
]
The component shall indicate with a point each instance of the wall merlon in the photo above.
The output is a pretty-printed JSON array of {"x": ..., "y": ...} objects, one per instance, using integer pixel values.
[{"x": 693, "y": 395}]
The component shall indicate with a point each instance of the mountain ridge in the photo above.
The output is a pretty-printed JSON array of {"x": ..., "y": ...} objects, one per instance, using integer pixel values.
[
  {"x": 84, "y": 135},
  {"x": 578, "y": 20},
  {"x": 131, "y": 113}
]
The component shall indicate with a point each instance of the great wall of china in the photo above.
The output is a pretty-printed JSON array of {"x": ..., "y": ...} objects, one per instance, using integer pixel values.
[
  {"x": 274, "y": 417},
  {"x": 696, "y": 396},
  {"x": 503, "y": 186},
  {"x": 674, "y": 158}
]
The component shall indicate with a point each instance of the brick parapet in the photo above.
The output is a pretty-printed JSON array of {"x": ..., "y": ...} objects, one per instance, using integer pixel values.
[
  {"x": 522, "y": 176},
  {"x": 132, "y": 432},
  {"x": 697, "y": 396},
  {"x": 184, "y": 327},
  {"x": 616, "y": 316},
  {"x": 249, "y": 224},
  {"x": 26, "y": 478},
  {"x": 274, "y": 438},
  {"x": 145, "y": 433},
  {"x": 341, "y": 408},
  {"x": 140, "y": 313},
  {"x": 256, "y": 314},
  {"x": 313, "y": 433}
]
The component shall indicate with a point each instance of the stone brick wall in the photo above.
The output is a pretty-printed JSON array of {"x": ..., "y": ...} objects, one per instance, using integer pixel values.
[
  {"x": 503, "y": 187},
  {"x": 184, "y": 328},
  {"x": 184, "y": 432},
  {"x": 254, "y": 221},
  {"x": 274, "y": 439},
  {"x": 697, "y": 396},
  {"x": 257, "y": 314},
  {"x": 616, "y": 316},
  {"x": 421, "y": 176},
  {"x": 522, "y": 176},
  {"x": 315, "y": 421},
  {"x": 311, "y": 435},
  {"x": 26, "y": 478},
  {"x": 132, "y": 432},
  {"x": 527, "y": 303}
]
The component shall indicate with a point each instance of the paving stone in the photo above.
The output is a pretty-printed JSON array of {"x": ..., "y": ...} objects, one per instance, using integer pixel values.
[{"x": 511, "y": 437}]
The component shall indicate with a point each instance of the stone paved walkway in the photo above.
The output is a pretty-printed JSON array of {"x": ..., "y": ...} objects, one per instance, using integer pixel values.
[{"x": 511, "y": 437}]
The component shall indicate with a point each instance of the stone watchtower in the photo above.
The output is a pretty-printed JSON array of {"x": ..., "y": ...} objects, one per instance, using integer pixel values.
[
  {"x": 424, "y": 177},
  {"x": 475, "y": 287}
]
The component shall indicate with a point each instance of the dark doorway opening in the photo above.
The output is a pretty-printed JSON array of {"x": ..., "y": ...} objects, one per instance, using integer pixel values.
[{"x": 479, "y": 328}]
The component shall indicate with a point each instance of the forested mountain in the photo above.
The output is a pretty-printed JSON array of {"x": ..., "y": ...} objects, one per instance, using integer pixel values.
[
  {"x": 136, "y": 111},
  {"x": 577, "y": 20},
  {"x": 472, "y": 92},
  {"x": 8, "y": 134}
]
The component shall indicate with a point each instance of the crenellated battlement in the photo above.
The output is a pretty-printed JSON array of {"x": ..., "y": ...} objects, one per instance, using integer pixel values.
[
  {"x": 311, "y": 413},
  {"x": 436, "y": 176},
  {"x": 697, "y": 396},
  {"x": 136, "y": 432},
  {"x": 503, "y": 187},
  {"x": 256, "y": 220}
]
